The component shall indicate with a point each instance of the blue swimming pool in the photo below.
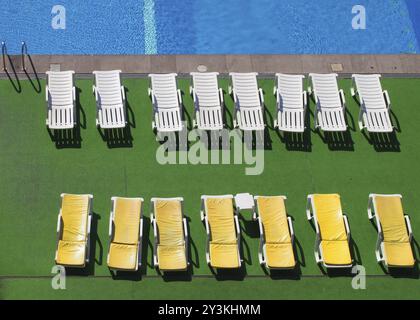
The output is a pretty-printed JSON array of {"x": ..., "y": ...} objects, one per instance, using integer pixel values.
[{"x": 211, "y": 26}]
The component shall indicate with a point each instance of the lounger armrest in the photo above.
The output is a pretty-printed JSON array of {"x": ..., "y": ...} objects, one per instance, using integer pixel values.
[
  {"x": 123, "y": 92},
  {"x": 343, "y": 98},
  {"x": 346, "y": 224},
  {"x": 238, "y": 230},
  {"x": 408, "y": 223},
  {"x": 141, "y": 229},
  {"x": 152, "y": 96},
  {"x": 387, "y": 99},
  {"x": 305, "y": 99},
  {"x": 74, "y": 93},
  {"x": 371, "y": 214},
  {"x": 318, "y": 255},
  {"x": 261, "y": 94},
  {"x": 292, "y": 233},
  {"x": 260, "y": 251},
  {"x": 184, "y": 223},
  {"x": 110, "y": 225},
  {"x": 59, "y": 222},
  {"x": 192, "y": 92},
  {"x": 207, "y": 226},
  {"x": 178, "y": 91},
  {"x": 89, "y": 224},
  {"x": 309, "y": 214},
  {"x": 47, "y": 94},
  {"x": 222, "y": 99}
]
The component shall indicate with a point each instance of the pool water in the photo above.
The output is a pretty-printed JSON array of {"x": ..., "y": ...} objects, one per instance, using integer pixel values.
[{"x": 211, "y": 27}]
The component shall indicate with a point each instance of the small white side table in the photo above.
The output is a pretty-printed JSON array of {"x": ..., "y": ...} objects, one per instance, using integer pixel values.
[{"x": 245, "y": 201}]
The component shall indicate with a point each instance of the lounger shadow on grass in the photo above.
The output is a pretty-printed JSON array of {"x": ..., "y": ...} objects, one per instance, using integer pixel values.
[
  {"x": 249, "y": 227},
  {"x": 338, "y": 140},
  {"x": 383, "y": 142},
  {"x": 94, "y": 257},
  {"x": 192, "y": 249}
]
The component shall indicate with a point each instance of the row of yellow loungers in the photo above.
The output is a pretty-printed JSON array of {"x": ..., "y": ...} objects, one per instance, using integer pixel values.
[{"x": 276, "y": 251}]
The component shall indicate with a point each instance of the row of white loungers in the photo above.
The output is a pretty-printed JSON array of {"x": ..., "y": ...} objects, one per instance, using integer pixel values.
[{"x": 208, "y": 102}]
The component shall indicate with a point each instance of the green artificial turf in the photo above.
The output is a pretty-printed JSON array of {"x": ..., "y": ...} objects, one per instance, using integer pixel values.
[{"x": 34, "y": 171}]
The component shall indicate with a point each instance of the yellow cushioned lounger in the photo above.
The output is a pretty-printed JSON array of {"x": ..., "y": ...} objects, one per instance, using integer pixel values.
[
  {"x": 125, "y": 231},
  {"x": 276, "y": 242},
  {"x": 73, "y": 228},
  {"x": 333, "y": 233},
  {"x": 223, "y": 236},
  {"x": 394, "y": 230},
  {"x": 170, "y": 232}
]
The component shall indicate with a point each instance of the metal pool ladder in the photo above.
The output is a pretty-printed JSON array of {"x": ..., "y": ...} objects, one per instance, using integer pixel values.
[
  {"x": 4, "y": 54},
  {"x": 23, "y": 54}
]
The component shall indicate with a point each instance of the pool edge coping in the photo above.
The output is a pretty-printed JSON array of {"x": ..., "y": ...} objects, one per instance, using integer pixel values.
[{"x": 403, "y": 65}]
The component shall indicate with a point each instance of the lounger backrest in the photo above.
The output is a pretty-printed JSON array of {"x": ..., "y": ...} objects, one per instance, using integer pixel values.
[
  {"x": 126, "y": 220},
  {"x": 60, "y": 85},
  {"x": 74, "y": 212},
  {"x": 273, "y": 216},
  {"x": 290, "y": 89},
  {"x": 326, "y": 89},
  {"x": 169, "y": 222},
  {"x": 246, "y": 89},
  {"x": 370, "y": 90},
  {"x": 221, "y": 220},
  {"x": 206, "y": 88},
  {"x": 327, "y": 208},
  {"x": 390, "y": 213},
  {"x": 108, "y": 84},
  {"x": 165, "y": 90}
]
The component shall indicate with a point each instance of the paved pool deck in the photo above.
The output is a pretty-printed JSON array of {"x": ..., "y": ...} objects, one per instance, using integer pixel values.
[{"x": 138, "y": 65}]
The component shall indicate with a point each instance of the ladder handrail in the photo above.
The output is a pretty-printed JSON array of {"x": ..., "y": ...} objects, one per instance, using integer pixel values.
[
  {"x": 23, "y": 54},
  {"x": 4, "y": 54}
]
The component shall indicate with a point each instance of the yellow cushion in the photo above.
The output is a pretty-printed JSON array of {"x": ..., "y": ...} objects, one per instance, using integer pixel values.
[
  {"x": 280, "y": 255},
  {"x": 329, "y": 216},
  {"x": 273, "y": 217},
  {"x": 220, "y": 217},
  {"x": 71, "y": 253},
  {"x": 169, "y": 221},
  {"x": 224, "y": 255},
  {"x": 399, "y": 254},
  {"x": 127, "y": 220},
  {"x": 123, "y": 256},
  {"x": 336, "y": 252},
  {"x": 172, "y": 257},
  {"x": 74, "y": 212},
  {"x": 391, "y": 216}
]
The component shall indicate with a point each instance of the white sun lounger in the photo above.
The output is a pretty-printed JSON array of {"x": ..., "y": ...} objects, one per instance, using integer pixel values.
[
  {"x": 374, "y": 103},
  {"x": 249, "y": 101},
  {"x": 110, "y": 99},
  {"x": 61, "y": 97},
  {"x": 167, "y": 101},
  {"x": 208, "y": 101},
  {"x": 291, "y": 103},
  {"x": 330, "y": 102}
]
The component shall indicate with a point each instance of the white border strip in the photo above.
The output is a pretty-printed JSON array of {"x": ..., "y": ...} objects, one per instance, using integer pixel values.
[{"x": 150, "y": 41}]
